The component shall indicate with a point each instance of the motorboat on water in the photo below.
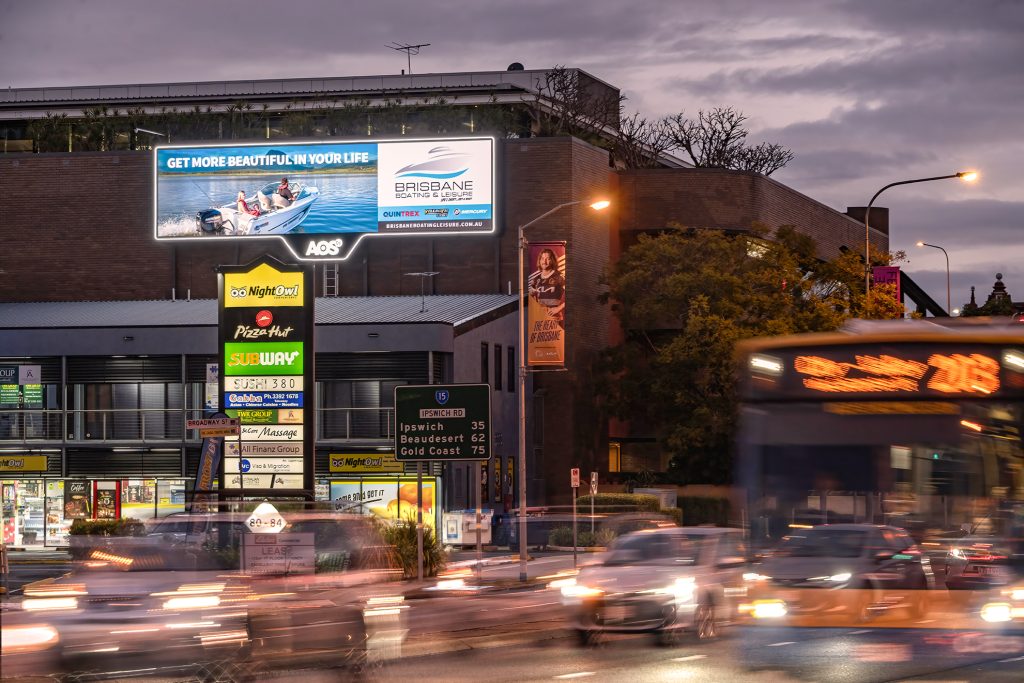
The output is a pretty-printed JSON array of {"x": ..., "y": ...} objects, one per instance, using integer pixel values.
[{"x": 277, "y": 215}]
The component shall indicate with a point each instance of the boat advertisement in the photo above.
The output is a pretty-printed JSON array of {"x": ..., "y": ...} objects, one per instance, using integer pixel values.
[{"x": 323, "y": 197}]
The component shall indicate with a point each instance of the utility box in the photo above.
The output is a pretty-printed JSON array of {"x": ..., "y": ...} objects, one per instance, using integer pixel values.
[{"x": 458, "y": 528}]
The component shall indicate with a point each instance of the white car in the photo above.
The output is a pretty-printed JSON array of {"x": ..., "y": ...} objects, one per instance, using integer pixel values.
[{"x": 664, "y": 581}]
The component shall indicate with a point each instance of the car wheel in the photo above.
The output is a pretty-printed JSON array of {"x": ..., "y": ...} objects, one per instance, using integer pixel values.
[
  {"x": 585, "y": 638},
  {"x": 705, "y": 621},
  {"x": 668, "y": 637}
]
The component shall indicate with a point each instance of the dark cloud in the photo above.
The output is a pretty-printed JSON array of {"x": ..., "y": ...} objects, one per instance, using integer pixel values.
[{"x": 863, "y": 91}]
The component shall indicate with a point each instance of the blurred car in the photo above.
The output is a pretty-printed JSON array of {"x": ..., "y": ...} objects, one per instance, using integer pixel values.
[
  {"x": 858, "y": 569},
  {"x": 982, "y": 563},
  {"x": 226, "y": 604},
  {"x": 1005, "y": 606},
  {"x": 664, "y": 581}
]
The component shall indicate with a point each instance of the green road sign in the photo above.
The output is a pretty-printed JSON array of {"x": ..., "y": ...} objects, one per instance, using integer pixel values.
[{"x": 443, "y": 422}]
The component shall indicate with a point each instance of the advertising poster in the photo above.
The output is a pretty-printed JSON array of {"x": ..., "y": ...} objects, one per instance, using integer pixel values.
[
  {"x": 77, "y": 499},
  {"x": 58, "y": 527},
  {"x": 888, "y": 275},
  {"x": 106, "y": 500},
  {"x": 325, "y": 189},
  {"x": 545, "y": 313},
  {"x": 388, "y": 499}
]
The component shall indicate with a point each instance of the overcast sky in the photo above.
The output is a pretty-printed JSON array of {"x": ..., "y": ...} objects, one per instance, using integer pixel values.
[{"x": 864, "y": 92}]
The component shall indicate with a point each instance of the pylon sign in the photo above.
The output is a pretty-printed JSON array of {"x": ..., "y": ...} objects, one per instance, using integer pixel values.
[{"x": 266, "y": 369}]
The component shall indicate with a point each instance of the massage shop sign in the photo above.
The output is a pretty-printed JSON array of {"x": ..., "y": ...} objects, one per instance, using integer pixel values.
[{"x": 266, "y": 341}]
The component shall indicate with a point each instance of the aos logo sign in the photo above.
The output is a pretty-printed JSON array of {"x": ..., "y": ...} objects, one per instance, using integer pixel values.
[{"x": 324, "y": 247}]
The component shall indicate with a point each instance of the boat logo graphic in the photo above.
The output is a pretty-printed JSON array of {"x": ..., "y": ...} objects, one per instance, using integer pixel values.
[{"x": 441, "y": 163}]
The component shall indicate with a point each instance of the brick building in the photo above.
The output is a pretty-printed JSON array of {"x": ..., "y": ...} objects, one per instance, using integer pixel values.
[{"x": 78, "y": 228}]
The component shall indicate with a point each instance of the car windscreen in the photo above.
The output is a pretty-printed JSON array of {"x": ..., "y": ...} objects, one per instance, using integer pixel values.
[
  {"x": 824, "y": 543},
  {"x": 176, "y": 526},
  {"x": 644, "y": 547}
]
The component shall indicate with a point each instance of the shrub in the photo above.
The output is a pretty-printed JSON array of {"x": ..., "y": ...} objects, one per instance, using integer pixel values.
[
  {"x": 703, "y": 510},
  {"x": 675, "y": 513},
  {"x": 126, "y": 526},
  {"x": 560, "y": 536},
  {"x": 620, "y": 502},
  {"x": 401, "y": 535},
  {"x": 584, "y": 539},
  {"x": 604, "y": 537}
]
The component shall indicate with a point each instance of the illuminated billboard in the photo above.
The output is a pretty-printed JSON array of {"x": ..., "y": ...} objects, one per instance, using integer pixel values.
[{"x": 323, "y": 198}]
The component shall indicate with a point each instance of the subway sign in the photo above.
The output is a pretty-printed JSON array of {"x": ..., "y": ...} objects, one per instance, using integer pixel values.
[{"x": 266, "y": 333}]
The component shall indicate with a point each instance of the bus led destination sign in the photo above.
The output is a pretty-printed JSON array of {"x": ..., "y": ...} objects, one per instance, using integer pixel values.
[{"x": 443, "y": 422}]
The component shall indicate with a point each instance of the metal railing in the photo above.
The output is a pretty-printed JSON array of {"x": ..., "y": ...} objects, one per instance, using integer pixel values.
[
  {"x": 31, "y": 425},
  {"x": 161, "y": 425},
  {"x": 355, "y": 423}
]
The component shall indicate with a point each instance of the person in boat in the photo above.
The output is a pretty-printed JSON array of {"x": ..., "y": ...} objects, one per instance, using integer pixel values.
[
  {"x": 243, "y": 206},
  {"x": 285, "y": 192}
]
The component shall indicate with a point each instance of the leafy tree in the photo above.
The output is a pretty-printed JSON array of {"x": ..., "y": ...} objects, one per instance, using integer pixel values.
[
  {"x": 718, "y": 139},
  {"x": 684, "y": 298}
]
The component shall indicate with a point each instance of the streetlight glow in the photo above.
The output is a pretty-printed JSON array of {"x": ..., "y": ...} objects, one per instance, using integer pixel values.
[
  {"x": 523, "y": 370},
  {"x": 968, "y": 176}
]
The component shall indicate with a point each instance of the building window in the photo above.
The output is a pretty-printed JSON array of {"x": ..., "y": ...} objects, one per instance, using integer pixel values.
[
  {"x": 614, "y": 456},
  {"x": 485, "y": 370},
  {"x": 512, "y": 369},
  {"x": 497, "y": 367}
]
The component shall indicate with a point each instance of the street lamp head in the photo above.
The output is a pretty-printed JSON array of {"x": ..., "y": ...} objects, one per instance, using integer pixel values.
[
  {"x": 920, "y": 243},
  {"x": 600, "y": 204},
  {"x": 968, "y": 176}
]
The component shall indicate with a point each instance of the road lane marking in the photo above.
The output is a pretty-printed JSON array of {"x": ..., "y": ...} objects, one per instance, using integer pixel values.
[
  {"x": 1011, "y": 659},
  {"x": 578, "y": 674},
  {"x": 689, "y": 658},
  {"x": 857, "y": 633},
  {"x": 532, "y": 604},
  {"x": 785, "y": 642}
]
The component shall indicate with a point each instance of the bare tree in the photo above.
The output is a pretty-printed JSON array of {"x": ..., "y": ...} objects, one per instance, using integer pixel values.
[
  {"x": 566, "y": 104},
  {"x": 765, "y": 158},
  {"x": 639, "y": 143},
  {"x": 717, "y": 139}
]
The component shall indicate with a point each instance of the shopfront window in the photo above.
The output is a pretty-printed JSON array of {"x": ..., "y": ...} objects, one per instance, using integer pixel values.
[
  {"x": 24, "y": 512},
  {"x": 129, "y": 411}
]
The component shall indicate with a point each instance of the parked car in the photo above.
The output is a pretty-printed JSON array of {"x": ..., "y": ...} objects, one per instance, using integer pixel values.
[
  {"x": 832, "y": 569},
  {"x": 664, "y": 581}
]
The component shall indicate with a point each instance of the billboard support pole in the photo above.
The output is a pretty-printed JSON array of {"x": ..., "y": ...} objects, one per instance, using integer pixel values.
[{"x": 419, "y": 520}]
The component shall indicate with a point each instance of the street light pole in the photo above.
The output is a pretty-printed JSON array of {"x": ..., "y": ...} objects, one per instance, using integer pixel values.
[
  {"x": 522, "y": 244},
  {"x": 949, "y": 304},
  {"x": 965, "y": 175}
]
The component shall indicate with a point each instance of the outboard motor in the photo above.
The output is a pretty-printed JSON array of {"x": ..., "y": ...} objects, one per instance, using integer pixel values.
[{"x": 210, "y": 221}]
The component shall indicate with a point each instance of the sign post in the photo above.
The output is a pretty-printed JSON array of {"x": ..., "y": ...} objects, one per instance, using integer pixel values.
[
  {"x": 593, "y": 494},
  {"x": 574, "y": 481}
]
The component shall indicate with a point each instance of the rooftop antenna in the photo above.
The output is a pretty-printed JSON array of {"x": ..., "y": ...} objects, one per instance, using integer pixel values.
[
  {"x": 423, "y": 278},
  {"x": 409, "y": 51}
]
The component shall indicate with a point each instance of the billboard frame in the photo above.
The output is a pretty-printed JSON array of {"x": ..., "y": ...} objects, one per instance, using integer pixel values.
[{"x": 296, "y": 241}]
